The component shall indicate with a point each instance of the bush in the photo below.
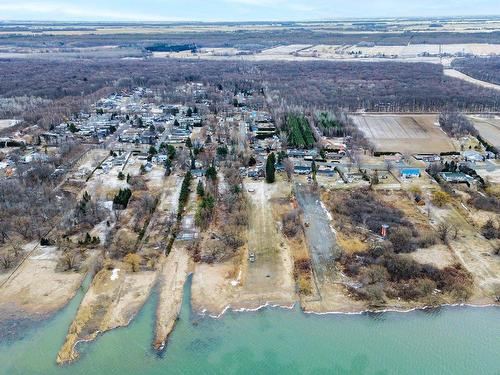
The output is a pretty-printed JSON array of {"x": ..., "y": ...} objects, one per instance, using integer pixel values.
[
  {"x": 416, "y": 288},
  {"x": 486, "y": 203},
  {"x": 291, "y": 223},
  {"x": 304, "y": 285},
  {"x": 401, "y": 267},
  {"x": 134, "y": 260},
  {"x": 362, "y": 208},
  {"x": 426, "y": 240},
  {"x": 374, "y": 274},
  {"x": 457, "y": 281},
  {"x": 441, "y": 198},
  {"x": 122, "y": 198},
  {"x": 401, "y": 239},
  {"x": 490, "y": 230}
]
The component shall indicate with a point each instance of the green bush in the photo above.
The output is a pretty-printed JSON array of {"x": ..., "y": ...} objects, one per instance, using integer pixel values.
[{"x": 122, "y": 197}]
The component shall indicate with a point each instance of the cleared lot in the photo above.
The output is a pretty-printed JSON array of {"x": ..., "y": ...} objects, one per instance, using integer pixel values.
[
  {"x": 488, "y": 128},
  {"x": 404, "y": 133}
]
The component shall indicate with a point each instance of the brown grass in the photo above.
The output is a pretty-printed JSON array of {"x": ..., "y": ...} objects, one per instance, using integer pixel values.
[{"x": 351, "y": 244}]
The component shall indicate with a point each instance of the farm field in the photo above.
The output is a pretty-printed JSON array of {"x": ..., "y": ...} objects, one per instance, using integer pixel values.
[
  {"x": 488, "y": 128},
  {"x": 5, "y": 124},
  {"x": 283, "y": 50},
  {"x": 404, "y": 133}
]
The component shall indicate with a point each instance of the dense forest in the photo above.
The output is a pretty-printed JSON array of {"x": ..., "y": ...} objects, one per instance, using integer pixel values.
[
  {"x": 485, "y": 69},
  {"x": 66, "y": 86}
]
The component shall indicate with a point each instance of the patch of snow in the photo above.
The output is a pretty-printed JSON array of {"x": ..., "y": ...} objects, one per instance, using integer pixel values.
[{"x": 114, "y": 274}]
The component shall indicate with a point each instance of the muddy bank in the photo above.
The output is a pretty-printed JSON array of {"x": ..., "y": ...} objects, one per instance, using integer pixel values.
[
  {"x": 173, "y": 274},
  {"x": 112, "y": 300}
]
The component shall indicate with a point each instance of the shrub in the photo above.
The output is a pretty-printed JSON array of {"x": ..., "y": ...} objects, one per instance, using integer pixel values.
[
  {"x": 401, "y": 267},
  {"x": 457, "y": 281},
  {"x": 374, "y": 274},
  {"x": 401, "y": 239},
  {"x": 486, "y": 203},
  {"x": 490, "y": 230},
  {"x": 304, "y": 285},
  {"x": 122, "y": 198},
  {"x": 291, "y": 223},
  {"x": 134, "y": 260},
  {"x": 441, "y": 198}
]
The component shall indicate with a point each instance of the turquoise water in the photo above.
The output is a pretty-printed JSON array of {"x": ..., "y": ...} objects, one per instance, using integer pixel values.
[{"x": 448, "y": 341}]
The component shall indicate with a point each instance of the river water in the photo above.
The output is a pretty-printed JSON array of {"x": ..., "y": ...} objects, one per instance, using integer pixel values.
[{"x": 451, "y": 340}]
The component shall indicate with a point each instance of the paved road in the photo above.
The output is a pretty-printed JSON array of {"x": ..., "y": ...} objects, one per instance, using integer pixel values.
[{"x": 319, "y": 234}]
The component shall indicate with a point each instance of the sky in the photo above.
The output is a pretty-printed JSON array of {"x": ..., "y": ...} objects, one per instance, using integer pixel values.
[{"x": 237, "y": 10}]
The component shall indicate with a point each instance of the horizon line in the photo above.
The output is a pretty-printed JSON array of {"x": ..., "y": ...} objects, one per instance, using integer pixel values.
[{"x": 187, "y": 21}]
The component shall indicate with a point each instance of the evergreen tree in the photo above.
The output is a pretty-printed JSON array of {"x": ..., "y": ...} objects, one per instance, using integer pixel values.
[
  {"x": 211, "y": 173},
  {"x": 200, "y": 190},
  {"x": 270, "y": 168}
]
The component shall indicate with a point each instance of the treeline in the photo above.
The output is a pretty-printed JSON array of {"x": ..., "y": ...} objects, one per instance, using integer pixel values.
[
  {"x": 456, "y": 124},
  {"x": 163, "y": 47},
  {"x": 250, "y": 39}
]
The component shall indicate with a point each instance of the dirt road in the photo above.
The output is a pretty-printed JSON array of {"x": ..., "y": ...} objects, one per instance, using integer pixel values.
[
  {"x": 456, "y": 74},
  {"x": 266, "y": 273},
  {"x": 319, "y": 233}
]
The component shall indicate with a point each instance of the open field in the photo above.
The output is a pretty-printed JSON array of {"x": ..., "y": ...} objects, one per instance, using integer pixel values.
[
  {"x": 488, "y": 128},
  {"x": 404, "y": 133},
  {"x": 284, "y": 50}
]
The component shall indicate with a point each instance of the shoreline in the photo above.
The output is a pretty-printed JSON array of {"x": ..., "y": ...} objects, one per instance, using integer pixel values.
[{"x": 205, "y": 313}]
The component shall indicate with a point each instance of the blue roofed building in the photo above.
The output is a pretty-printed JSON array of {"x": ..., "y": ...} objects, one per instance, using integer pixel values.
[{"x": 410, "y": 172}]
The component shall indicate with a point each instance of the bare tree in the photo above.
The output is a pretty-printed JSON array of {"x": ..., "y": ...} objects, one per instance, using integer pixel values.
[{"x": 289, "y": 168}]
